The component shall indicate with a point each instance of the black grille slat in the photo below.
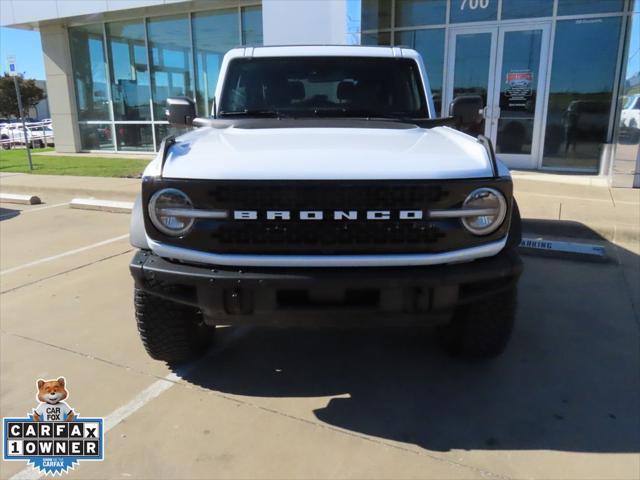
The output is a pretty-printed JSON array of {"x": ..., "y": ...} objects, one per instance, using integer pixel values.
[{"x": 325, "y": 233}]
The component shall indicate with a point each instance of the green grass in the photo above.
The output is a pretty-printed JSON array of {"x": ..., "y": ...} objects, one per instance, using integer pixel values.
[{"x": 86, "y": 166}]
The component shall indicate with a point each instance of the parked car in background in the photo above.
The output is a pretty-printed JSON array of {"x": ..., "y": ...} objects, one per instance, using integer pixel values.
[
  {"x": 630, "y": 114},
  {"x": 39, "y": 135}
]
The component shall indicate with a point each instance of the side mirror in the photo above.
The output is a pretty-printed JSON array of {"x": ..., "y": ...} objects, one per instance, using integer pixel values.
[
  {"x": 180, "y": 111},
  {"x": 467, "y": 111}
]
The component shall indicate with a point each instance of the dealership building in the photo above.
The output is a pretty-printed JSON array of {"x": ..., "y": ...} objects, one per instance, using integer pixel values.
[{"x": 560, "y": 79}]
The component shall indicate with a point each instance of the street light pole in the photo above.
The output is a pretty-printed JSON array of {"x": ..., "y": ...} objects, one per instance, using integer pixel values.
[{"x": 24, "y": 126}]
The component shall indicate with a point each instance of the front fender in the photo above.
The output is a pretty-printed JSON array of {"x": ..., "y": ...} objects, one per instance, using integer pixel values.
[{"x": 137, "y": 236}]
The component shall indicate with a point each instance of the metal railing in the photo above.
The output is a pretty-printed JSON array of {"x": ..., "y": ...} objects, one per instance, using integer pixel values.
[{"x": 39, "y": 134}]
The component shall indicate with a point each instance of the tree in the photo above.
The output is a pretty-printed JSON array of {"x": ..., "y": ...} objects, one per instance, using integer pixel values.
[{"x": 30, "y": 92}]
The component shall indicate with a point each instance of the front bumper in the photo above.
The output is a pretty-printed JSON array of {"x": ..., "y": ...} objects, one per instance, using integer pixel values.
[{"x": 300, "y": 296}]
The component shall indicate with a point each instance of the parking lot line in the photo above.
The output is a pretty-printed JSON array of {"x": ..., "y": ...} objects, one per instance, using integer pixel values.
[
  {"x": 37, "y": 209},
  {"x": 141, "y": 399},
  {"x": 117, "y": 416},
  {"x": 64, "y": 254}
]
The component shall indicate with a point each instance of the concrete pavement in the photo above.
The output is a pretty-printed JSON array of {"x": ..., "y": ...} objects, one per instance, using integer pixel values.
[{"x": 561, "y": 403}]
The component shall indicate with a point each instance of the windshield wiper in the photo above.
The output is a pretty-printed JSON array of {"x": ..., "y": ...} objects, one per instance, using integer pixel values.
[{"x": 252, "y": 113}]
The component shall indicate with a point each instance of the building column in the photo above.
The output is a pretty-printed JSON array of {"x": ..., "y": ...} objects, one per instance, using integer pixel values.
[
  {"x": 60, "y": 87},
  {"x": 312, "y": 22}
]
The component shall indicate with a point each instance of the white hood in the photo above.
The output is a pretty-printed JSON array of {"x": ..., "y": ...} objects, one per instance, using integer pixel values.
[{"x": 234, "y": 153}]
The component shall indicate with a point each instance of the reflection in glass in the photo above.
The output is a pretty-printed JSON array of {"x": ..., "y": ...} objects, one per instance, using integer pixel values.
[
  {"x": 473, "y": 10},
  {"x": 130, "y": 89},
  {"x": 214, "y": 33},
  {"x": 518, "y": 88},
  {"x": 410, "y": 13},
  {"x": 96, "y": 136},
  {"x": 430, "y": 44},
  {"x": 471, "y": 70},
  {"x": 582, "y": 79},
  {"x": 376, "y": 14},
  {"x": 171, "y": 67},
  {"x": 577, "y": 7},
  {"x": 163, "y": 130},
  {"x": 252, "y": 26},
  {"x": 625, "y": 171},
  {"x": 89, "y": 75},
  {"x": 134, "y": 137},
  {"x": 381, "y": 38},
  {"x": 526, "y": 9}
]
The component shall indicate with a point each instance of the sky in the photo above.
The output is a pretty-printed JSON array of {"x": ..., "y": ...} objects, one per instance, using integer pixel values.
[{"x": 25, "y": 45}]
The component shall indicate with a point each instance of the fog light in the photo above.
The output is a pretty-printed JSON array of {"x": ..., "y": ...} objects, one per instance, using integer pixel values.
[
  {"x": 492, "y": 208},
  {"x": 165, "y": 207}
]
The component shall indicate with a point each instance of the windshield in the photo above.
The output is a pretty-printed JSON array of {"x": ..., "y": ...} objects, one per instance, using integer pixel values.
[{"x": 323, "y": 87}]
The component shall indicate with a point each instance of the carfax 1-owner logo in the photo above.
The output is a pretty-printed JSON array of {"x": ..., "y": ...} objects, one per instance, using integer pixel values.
[{"x": 53, "y": 438}]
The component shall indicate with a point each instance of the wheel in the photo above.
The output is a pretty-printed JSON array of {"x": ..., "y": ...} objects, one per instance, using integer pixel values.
[
  {"x": 481, "y": 329},
  {"x": 6, "y": 145},
  {"x": 170, "y": 331}
]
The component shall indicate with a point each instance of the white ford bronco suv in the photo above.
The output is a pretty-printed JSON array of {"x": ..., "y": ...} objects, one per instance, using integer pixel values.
[{"x": 323, "y": 190}]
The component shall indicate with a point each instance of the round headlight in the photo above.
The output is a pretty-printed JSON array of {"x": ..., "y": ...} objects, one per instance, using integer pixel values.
[
  {"x": 491, "y": 207},
  {"x": 166, "y": 210}
]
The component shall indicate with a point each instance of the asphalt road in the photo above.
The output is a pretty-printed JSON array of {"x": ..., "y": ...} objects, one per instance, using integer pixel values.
[{"x": 562, "y": 402}]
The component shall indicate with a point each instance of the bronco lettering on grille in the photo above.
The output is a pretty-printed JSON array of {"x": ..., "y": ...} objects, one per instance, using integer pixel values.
[{"x": 311, "y": 215}]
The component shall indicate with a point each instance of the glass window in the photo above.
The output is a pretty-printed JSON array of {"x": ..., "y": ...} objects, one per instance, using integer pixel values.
[
  {"x": 526, "y": 9},
  {"x": 473, "y": 10},
  {"x": 381, "y": 38},
  {"x": 627, "y": 159},
  {"x": 96, "y": 136},
  {"x": 163, "y": 130},
  {"x": 214, "y": 33},
  {"x": 471, "y": 70},
  {"x": 518, "y": 91},
  {"x": 130, "y": 89},
  {"x": 134, "y": 137},
  {"x": 376, "y": 14},
  {"x": 410, "y": 13},
  {"x": 578, "y": 7},
  {"x": 324, "y": 87},
  {"x": 252, "y": 26},
  {"x": 170, "y": 47},
  {"x": 89, "y": 72},
  {"x": 430, "y": 44},
  {"x": 582, "y": 79}
]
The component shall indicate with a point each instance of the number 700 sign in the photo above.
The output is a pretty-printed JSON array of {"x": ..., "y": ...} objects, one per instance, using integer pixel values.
[{"x": 474, "y": 4}]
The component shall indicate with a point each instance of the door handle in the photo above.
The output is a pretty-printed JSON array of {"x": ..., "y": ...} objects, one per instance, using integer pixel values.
[{"x": 483, "y": 112}]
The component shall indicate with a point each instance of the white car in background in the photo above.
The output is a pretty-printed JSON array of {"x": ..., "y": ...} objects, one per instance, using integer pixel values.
[
  {"x": 38, "y": 135},
  {"x": 630, "y": 114}
]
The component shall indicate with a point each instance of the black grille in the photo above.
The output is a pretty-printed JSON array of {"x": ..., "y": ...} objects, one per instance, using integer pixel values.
[{"x": 327, "y": 236}]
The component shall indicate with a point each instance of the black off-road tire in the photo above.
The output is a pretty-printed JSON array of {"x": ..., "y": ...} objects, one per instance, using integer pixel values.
[
  {"x": 481, "y": 329},
  {"x": 170, "y": 331}
]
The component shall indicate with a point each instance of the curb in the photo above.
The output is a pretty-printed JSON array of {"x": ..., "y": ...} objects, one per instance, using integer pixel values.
[
  {"x": 74, "y": 192},
  {"x": 19, "y": 199},
  {"x": 112, "y": 206}
]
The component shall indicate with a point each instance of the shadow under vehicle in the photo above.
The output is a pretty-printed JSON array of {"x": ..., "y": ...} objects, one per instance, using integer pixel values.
[{"x": 569, "y": 380}]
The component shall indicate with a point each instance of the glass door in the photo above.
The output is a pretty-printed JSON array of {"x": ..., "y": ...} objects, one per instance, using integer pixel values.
[
  {"x": 471, "y": 66},
  {"x": 505, "y": 66},
  {"x": 519, "y": 94}
]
